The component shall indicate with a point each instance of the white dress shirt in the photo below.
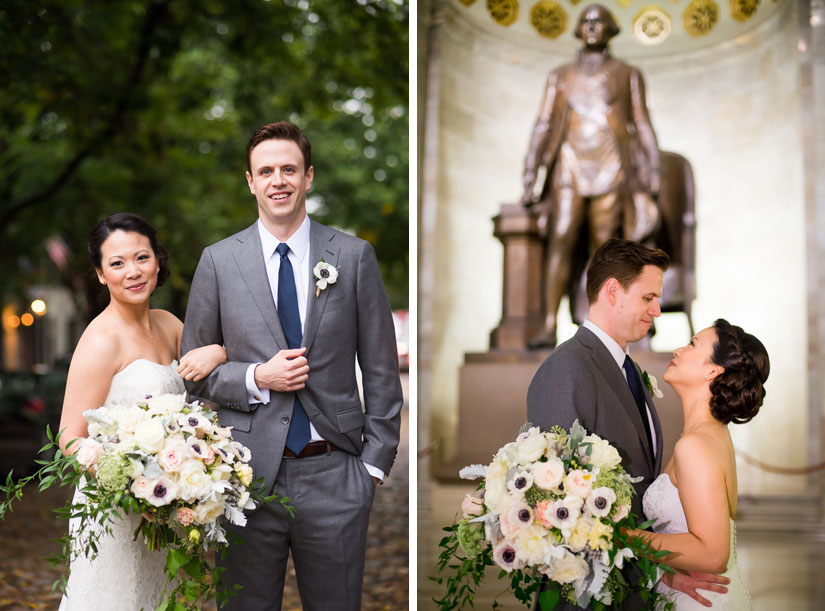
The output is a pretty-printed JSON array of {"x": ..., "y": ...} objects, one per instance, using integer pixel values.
[
  {"x": 298, "y": 255},
  {"x": 618, "y": 355}
]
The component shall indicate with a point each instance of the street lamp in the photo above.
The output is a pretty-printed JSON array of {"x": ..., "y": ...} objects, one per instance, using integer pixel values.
[{"x": 38, "y": 306}]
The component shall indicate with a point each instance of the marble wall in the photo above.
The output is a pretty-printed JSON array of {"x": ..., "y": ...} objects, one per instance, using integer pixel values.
[{"x": 735, "y": 110}]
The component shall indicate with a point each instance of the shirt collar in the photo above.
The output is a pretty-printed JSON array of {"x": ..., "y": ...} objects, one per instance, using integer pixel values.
[
  {"x": 298, "y": 242},
  {"x": 612, "y": 346}
]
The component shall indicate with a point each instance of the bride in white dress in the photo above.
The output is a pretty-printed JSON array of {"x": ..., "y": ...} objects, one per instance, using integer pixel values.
[
  {"x": 719, "y": 377},
  {"x": 126, "y": 353}
]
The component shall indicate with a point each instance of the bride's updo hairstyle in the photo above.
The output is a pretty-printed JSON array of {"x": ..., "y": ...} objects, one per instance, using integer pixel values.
[
  {"x": 737, "y": 392},
  {"x": 126, "y": 221}
]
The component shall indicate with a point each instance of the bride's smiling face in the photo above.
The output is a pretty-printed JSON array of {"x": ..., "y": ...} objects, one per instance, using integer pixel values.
[
  {"x": 128, "y": 266},
  {"x": 691, "y": 364}
]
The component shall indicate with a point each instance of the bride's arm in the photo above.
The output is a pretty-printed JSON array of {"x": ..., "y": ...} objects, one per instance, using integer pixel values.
[
  {"x": 703, "y": 494},
  {"x": 94, "y": 363},
  {"x": 199, "y": 362}
]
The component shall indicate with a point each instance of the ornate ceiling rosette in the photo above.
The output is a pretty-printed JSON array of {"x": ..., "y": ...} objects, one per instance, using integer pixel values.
[
  {"x": 548, "y": 18},
  {"x": 652, "y": 25},
  {"x": 700, "y": 16},
  {"x": 742, "y": 10},
  {"x": 503, "y": 12},
  {"x": 666, "y": 27}
]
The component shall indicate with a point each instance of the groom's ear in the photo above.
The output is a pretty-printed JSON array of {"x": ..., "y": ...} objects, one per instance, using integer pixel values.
[
  {"x": 249, "y": 182},
  {"x": 309, "y": 176},
  {"x": 611, "y": 290}
]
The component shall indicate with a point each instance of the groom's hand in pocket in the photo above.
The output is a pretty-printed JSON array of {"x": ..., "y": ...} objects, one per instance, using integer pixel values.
[
  {"x": 690, "y": 582},
  {"x": 287, "y": 371}
]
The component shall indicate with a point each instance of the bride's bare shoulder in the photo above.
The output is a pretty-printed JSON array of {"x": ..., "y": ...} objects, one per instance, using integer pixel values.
[
  {"x": 699, "y": 449},
  {"x": 100, "y": 341}
]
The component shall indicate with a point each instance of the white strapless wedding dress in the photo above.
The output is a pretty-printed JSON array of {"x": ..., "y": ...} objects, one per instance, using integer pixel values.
[
  {"x": 661, "y": 502},
  {"x": 124, "y": 575}
]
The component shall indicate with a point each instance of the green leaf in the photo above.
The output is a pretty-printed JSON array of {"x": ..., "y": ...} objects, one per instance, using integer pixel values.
[{"x": 175, "y": 558}]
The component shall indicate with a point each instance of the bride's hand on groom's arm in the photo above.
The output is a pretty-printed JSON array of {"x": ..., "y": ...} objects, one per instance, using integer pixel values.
[
  {"x": 287, "y": 371},
  {"x": 689, "y": 582},
  {"x": 200, "y": 362}
]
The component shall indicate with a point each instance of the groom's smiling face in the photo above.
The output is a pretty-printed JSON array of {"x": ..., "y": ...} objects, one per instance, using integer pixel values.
[{"x": 279, "y": 182}]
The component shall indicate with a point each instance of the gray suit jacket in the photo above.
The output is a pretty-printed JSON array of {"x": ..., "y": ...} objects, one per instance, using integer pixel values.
[
  {"x": 230, "y": 303},
  {"x": 580, "y": 380}
]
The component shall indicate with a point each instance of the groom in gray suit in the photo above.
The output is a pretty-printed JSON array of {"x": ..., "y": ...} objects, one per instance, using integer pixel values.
[
  {"x": 591, "y": 377},
  {"x": 294, "y": 303}
]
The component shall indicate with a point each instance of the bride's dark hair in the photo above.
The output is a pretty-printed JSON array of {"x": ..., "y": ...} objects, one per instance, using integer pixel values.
[
  {"x": 126, "y": 221},
  {"x": 737, "y": 392}
]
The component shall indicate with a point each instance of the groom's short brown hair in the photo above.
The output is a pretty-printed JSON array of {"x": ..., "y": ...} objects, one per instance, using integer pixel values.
[
  {"x": 280, "y": 130},
  {"x": 623, "y": 260}
]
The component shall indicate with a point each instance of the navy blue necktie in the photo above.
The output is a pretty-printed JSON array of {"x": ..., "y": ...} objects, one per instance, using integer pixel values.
[
  {"x": 298, "y": 436},
  {"x": 636, "y": 388}
]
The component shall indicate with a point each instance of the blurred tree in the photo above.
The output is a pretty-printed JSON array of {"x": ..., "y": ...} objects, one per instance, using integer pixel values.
[{"x": 146, "y": 106}]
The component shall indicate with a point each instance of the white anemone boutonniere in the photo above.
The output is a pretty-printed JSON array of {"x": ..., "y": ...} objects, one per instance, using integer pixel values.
[
  {"x": 326, "y": 274},
  {"x": 652, "y": 385}
]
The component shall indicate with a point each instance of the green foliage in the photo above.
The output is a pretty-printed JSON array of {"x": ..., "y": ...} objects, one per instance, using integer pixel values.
[
  {"x": 146, "y": 106},
  {"x": 186, "y": 564}
]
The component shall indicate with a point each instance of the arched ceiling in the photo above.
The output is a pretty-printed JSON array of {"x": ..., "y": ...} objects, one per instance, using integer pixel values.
[{"x": 648, "y": 27}]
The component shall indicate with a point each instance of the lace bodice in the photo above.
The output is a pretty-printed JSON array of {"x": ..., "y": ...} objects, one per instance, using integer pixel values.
[
  {"x": 124, "y": 575},
  {"x": 662, "y": 503}
]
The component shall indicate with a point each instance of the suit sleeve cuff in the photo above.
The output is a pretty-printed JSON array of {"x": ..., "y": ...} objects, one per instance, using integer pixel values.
[
  {"x": 253, "y": 393},
  {"x": 374, "y": 471}
]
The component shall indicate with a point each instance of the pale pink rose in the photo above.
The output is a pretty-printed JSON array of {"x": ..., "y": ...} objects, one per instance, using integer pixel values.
[
  {"x": 210, "y": 455},
  {"x": 89, "y": 453},
  {"x": 172, "y": 457},
  {"x": 142, "y": 487},
  {"x": 185, "y": 516},
  {"x": 548, "y": 475},
  {"x": 579, "y": 482},
  {"x": 509, "y": 525},
  {"x": 472, "y": 506},
  {"x": 621, "y": 512},
  {"x": 541, "y": 513}
]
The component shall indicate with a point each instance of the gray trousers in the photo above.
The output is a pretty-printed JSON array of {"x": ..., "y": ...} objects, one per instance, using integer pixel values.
[{"x": 332, "y": 495}]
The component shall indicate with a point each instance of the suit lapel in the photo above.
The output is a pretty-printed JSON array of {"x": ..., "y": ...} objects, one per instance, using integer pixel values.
[
  {"x": 320, "y": 247},
  {"x": 252, "y": 268},
  {"x": 615, "y": 378}
]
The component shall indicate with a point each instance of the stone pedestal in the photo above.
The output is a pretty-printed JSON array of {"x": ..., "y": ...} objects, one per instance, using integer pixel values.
[
  {"x": 492, "y": 403},
  {"x": 521, "y": 312}
]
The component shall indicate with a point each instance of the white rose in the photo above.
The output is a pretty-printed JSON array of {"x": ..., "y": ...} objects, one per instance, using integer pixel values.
[
  {"x": 149, "y": 435},
  {"x": 602, "y": 454},
  {"x": 193, "y": 481},
  {"x": 530, "y": 446},
  {"x": 166, "y": 404},
  {"x": 567, "y": 569},
  {"x": 579, "y": 482},
  {"x": 495, "y": 495},
  {"x": 208, "y": 511},
  {"x": 89, "y": 453},
  {"x": 128, "y": 419},
  {"x": 532, "y": 544},
  {"x": 548, "y": 475}
]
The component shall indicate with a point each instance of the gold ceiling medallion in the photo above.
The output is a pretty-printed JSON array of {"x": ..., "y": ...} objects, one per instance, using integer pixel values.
[
  {"x": 575, "y": 2},
  {"x": 624, "y": 4},
  {"x": 742, "y": 10},
  {"x": 548, "y": 18},
  {"x": 467, "y": 2},
  {"x": 652, "y": 25},
  {"x": 700, "y": 16},
  {"x": 503, "y": 12}
]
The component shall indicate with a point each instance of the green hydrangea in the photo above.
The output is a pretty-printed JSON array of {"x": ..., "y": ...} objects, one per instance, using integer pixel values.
[
  {"x": 536, "y": 495},
  {"x": 470, "y": 537},
  {"x": 113, "y": 473},
  {"x": 614, "y": 480}
]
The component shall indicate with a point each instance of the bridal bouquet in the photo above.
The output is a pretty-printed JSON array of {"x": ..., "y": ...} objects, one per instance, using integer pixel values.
[
  {"x": 168, "y": 461},
  {"x": 552, "y": 506}
]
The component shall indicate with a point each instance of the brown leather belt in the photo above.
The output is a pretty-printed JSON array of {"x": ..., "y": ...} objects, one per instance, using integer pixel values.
[{"x": 313, "y": 448}]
